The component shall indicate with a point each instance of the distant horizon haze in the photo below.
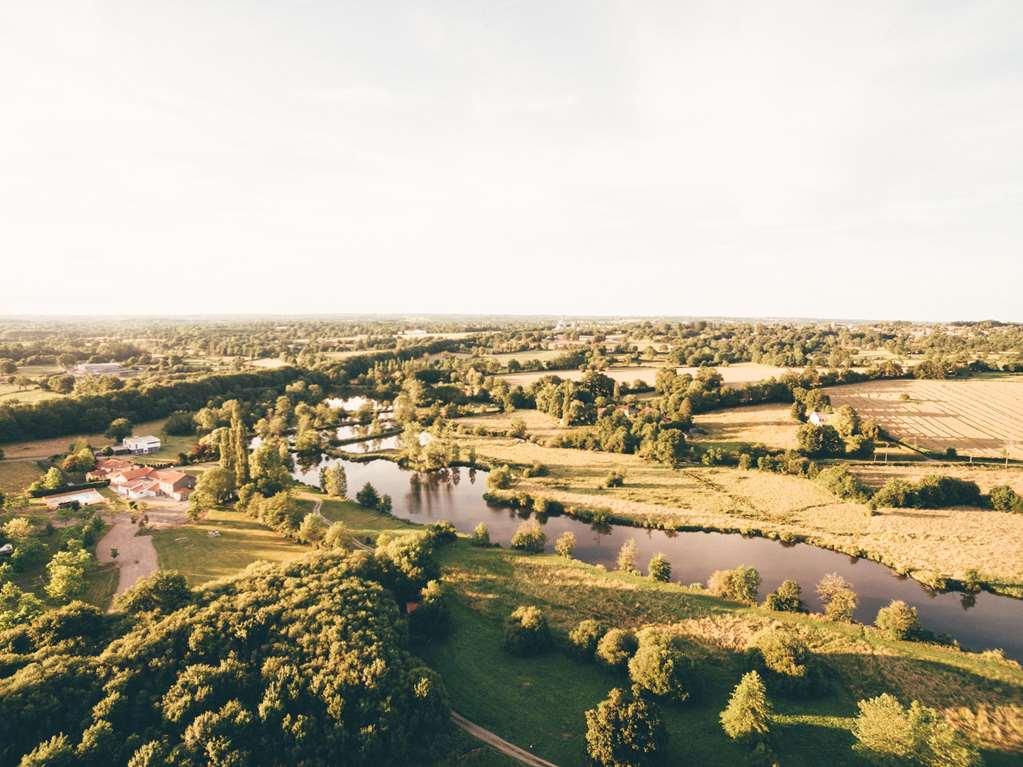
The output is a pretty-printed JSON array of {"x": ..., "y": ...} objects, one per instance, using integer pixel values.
[{"x": 567, "y": 159}]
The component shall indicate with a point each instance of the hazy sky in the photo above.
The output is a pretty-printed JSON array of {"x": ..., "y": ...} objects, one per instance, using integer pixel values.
[{"x": 858, "y": 159}]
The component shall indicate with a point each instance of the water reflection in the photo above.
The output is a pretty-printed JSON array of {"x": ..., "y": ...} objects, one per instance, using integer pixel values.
[{"x": 456, "y": 495}]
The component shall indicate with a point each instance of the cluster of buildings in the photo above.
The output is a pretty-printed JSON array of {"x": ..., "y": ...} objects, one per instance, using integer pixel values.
[{"x": 135, "y": 482}]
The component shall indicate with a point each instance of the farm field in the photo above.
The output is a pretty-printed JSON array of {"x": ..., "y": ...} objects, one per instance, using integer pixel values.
[
  {"x": 44, "y": 448},
  {"x": 876, "y": 474},
  {"x": 12, "y": 392},
  {"x": 978, "y": 417},
  {"x": 15, "y": 476},
  {"x": 540, "y": 355},
  {"x": 770, "y": 425},
  {"x": 268, "y": 363},
  {"x": 537, "y": 423},
  {"x": 190, "y": 549},
  {"x": 743, "y": 372},
  {"x": 926, "y": 542}
]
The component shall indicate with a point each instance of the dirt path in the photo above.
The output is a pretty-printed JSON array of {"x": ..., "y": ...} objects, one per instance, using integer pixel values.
[
  {"x": 500, "y": 744},
  {"x": 136, "y": 555}
]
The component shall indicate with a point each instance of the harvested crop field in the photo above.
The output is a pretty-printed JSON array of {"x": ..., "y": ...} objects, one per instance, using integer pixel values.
[
  {"x": 977, "y": 417},
  {"x": 770, "y": 425},
  {"x": 744, "y": 372}
]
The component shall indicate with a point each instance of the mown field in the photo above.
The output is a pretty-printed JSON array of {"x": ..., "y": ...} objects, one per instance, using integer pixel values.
[
  {"x": 979, "y": 417},
  {"x": 11, "y": 392},
  {"x": 627, "y": 374},
  {"x": 15, "y": 476},
  {"x": 770, "y": 425},
  {"x": 923, "y": 542},
  {"x": 190, "y": 549},
  {"x": 44, "y": 448},
  {"x": 986, "y": 476}
]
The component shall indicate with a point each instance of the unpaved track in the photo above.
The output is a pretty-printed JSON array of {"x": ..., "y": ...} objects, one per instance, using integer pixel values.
[
  {"x": 136, "y": 555},
  {"x": 500, "y": 744}
]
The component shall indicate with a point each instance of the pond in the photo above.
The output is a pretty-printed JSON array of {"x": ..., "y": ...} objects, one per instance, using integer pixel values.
[{"x": 978, "y": 622}]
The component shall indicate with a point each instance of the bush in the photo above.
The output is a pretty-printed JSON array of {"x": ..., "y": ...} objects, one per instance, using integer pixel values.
[
  {"x": 337, "y": 537},
  {"x": 565, "y": 544},
  {"x": 614, "y": 479},
  {"x": 748, "y": 712},
  {"x": 896, "y": 494},
  {"x": 1004, "y": 498},
  {"x": 179, "y": 424},
  {"x": 584, "y": 637},
  {"x": 658, "y": 667},
  {"x": 499, "y": 479},
  {"x": 627, "y": 557},
  {"x": 932, "y": 492},
  {"x": 313, "y": 528},
  {"x": 432, "y": 618},
  {"x": 839, "y": 481},
  {"x": 887, "y": 734},
  {"x": 838, "y": 597},
  {"x": 442, "y": 532},
  {"x": 786, "y": 598},
  {"x": 480, "y": 536},
  {"x": 616, "y": 647},
  {"x": 624, "y": 731},
  {"x": 785, "y": 662},
  {"x": 898, "y": 620},
  {"x": 529, "y": 537},
  {"x": 738, "y": 585},
  {"x": 659, "y": 568},
  {"x": 526, "y": 631}
]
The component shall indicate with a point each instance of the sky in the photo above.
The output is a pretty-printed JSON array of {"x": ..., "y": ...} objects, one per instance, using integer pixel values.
[{"x": 794, "y": 159}]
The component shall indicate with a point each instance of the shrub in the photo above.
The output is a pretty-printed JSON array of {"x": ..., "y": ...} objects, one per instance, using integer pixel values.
[
  {"x": 898, "y": 620},
  {"x": 838, "y": 597},
  {"x": 616, "y": 647},
  {"x": 313, "y": 528},
  {"x": 565, "y": 544},
  {"x": 432, "y": 618},
  {"x": 499, "y": 479},
  {"x": 627, "y": 557},
  {"x": 179, "y": 423},
  {"x": 786, "y": 598},
  {"x": 785, "y": 662},
  {"x": 584, "y": 637},
  {"x": 740, "y": 584},
  {"x": 659, "y": 568},
  {"x": 748, "y": 712},
  {"x": 18, "y": 529},
  {"x": 934, "y": 492},
  {"x": 529, "y": 537},
  {"x": 614, "y": 479},
  {"x": 839, "y": 481},
  {"x": 526, "y": 631},
  {"x": 442, "y": 532},
  {"x": 480, "y": 535},
  {"x": 1004, "y": 498},
  {"x": 895, "y": 493},
  {"x": 624, "y": 731},
  {"x": 658, "y": 667},
  {"x": 888, "y": 733},
  {"x": 337, "y": 536}
]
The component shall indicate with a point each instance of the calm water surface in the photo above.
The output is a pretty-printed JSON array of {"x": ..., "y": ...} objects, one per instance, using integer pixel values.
[{"x": 979, "y": 622}]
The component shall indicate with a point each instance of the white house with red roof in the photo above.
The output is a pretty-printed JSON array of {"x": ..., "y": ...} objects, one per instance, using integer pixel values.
[{"x": 145, "y": 482}]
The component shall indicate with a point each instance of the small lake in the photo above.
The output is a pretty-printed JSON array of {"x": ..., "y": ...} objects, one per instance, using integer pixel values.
[{"x": 979, "y": 622}]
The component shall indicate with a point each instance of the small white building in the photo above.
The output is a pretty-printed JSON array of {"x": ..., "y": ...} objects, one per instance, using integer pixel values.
[
  {"x": 817, "y": 419},
  {"x": 142, "y": 445}
]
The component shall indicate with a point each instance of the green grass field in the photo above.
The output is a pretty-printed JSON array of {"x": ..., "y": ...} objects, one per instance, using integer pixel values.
[
  {"x": 9, "y": 393},
  {"x": 15, "y": 476},
  {"x": 190, "y": 549}
]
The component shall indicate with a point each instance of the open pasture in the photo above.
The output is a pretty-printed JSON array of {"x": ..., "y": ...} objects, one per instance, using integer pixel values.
[
  {"x": 770, "y": 425},
  {"x": 44, "y": 448},
  {"x": 976, "y": 417},
  {"x": 644, "y": 373}
]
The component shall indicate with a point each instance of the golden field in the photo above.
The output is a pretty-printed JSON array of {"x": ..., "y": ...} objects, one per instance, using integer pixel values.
[
  {"x": 770, "y": 425},
  {"x": 982, "y": 417}
]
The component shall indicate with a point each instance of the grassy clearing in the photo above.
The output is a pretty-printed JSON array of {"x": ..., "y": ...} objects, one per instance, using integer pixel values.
[
  {"x": 539, "y": 703},
  {"x": 986, "y": 477},
  {"x": 539, "y": 355},
  {"x": 15, "y": 476},
  {"x": 190, "y": 549},
  {"x": 770, "y": 425},
  {"x": 628, "y": 374},
  {"x": 465, "y": 751},
  {"x": 924, "y": 542},
  {"x": 538, "y": 423},
  {"x": 10, "y": 392},
  {"x": 978, "y": 417}
]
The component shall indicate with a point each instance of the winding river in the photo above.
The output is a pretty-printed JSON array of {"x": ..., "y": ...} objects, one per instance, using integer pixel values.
[{"x": 978, "y": 622}]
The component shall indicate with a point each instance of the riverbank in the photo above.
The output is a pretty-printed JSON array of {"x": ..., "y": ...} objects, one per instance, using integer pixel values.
[{"x": 934, "y": 546}]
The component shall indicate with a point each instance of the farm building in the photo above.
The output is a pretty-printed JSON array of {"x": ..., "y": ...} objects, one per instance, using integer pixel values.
[
  {"x": 817, "y": 419},
  {"x": 82, "y": 497},
  {"x": 145, "y": 482},
  {"x": 142, "y": 445}
]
